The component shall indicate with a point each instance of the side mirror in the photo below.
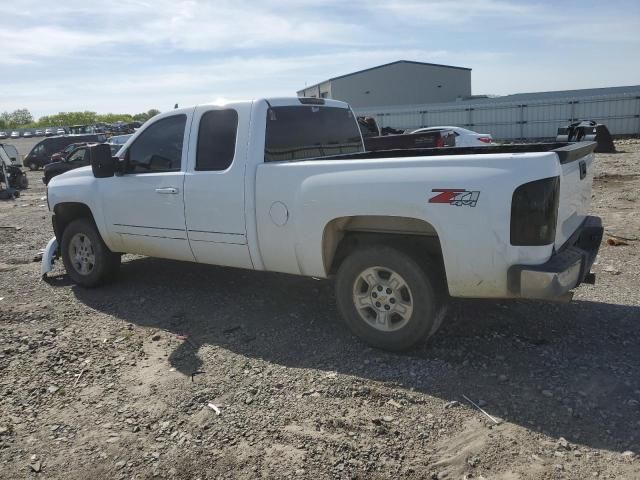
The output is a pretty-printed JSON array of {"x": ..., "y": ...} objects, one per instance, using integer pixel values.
[{"x": 102, "y": 163}]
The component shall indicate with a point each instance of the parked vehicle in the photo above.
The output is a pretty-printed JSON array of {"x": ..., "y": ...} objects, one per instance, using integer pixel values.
[
  {"x": 15, "y": 177},
  {"x": 41, "y": 153},
  {"x": 84, "y": 129},
  {"x": 376, "y": 138},
  {"x": 39, "y": 133},
  {"x": 124, "y": 128},
  {"x": 286, "y": 185},
  {"x": 78, "y": 157},
  {"x": 61, "y": 131},
  {"x": 48, "y": 132},
  {"x": 15, "y": 134},
  {"x": 464, "y": 137},
  {"x": 27, "y": 134},
  {"x": 116, "y": 142},
  {"x": 12, "y": 152},
  {"x": 3, "y": 135},
  {"x": 590, "y": 131},
  {"x": 64, "y": 153}
]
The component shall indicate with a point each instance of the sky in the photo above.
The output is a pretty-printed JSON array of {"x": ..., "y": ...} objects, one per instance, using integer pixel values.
[{"x": 130, "y": 56}]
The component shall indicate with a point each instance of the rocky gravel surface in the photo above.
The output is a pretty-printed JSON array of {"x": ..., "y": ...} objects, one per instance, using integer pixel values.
[{"x": 193, "y": 372}]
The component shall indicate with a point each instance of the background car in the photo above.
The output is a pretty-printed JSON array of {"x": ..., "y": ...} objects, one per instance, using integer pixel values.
[
  {"x": 464, "y": 137},
  {"x": 49, "y": 131},
  {"x": 116, "y": 142},
  {"x": 3, "y": 135},
  {"x": 77, "y": 158},
  {"x": 42, "y": 151},
  {"x": 27, "y": 134},
  {"x": 61, "y": 131},
  {"x": 38, "y": 133},
  {"x": 15, "y": 177},
  {"x": 15, "y": 134},
  {"x": 64, "y": 153},
  {"x": 11, "y": 151}
]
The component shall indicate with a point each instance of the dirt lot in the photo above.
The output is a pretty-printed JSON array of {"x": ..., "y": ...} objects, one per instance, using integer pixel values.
[{"x": 116, "y": 382}]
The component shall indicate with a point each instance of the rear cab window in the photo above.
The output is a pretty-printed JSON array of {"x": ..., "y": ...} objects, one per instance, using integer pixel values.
[{"x": 310, "y": 132}]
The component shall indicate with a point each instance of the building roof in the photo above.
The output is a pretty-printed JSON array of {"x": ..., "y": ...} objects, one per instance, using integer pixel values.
[
  {"x": 383, "y": 66},
  {"x": 590, "y": 92},
  {"x": 623, "y": 91}
]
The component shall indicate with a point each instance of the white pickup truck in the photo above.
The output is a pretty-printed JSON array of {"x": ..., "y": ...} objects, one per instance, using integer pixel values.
[{"x": 285, "y": 185}]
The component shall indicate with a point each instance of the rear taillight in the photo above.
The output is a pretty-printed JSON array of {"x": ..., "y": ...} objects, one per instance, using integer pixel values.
[
  {"x": 484, "y": 139},
  {"x": 439, "y": 141},
  {"x": 534, "y": 212}
]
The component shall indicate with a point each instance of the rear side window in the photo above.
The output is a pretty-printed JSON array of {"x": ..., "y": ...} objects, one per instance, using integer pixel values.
[
  {"x": 310, "y": 131},
  {"x": 38, "y": 149},
  {"x": 159, "y": 147},
  {"x": 217, "y": 140}
]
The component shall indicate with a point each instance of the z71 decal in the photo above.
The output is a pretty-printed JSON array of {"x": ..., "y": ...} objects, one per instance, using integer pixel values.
[{"x": 455, "y": 196}]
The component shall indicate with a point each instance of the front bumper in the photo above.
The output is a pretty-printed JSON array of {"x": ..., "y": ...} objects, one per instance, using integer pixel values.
[
  {"x": 49, "y": 255},
  {"x": 565, "y": 270}
]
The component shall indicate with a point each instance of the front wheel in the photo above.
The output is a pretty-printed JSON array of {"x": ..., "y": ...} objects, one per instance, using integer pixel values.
[
  {"x": 388, "y": 299},
  {"x": 87, "y": 259}
]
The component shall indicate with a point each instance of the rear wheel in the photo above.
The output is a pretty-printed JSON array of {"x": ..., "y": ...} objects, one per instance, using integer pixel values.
[
  {"x": 33, "y": 166},
  {"x": 87, "y": 259},
  {"x": 388, "y": 299}
]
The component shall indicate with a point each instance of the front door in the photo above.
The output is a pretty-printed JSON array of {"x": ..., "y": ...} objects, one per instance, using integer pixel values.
[
  {"x": 145, "y": 206},
  {"x": 215, "y": 186}
]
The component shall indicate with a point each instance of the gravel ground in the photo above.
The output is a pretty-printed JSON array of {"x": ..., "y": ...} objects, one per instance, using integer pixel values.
[{"x": 116, "y": 382}]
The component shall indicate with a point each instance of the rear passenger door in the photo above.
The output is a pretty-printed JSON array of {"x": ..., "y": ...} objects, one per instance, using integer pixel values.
[{"x": 214, "y": 190}]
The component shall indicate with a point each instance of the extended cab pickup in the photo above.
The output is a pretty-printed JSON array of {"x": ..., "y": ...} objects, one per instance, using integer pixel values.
[{"x": 285, "y": 185}]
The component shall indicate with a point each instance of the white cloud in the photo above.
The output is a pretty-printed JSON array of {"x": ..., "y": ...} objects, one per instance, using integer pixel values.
[
  {"x": 135, "y": 55},
  {"x": 170, "y": 25},
  {"x": 455, "y": 12}
]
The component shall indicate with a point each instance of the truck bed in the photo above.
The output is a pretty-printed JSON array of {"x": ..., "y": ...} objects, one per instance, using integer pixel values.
[{"x": 566, "y": 151}]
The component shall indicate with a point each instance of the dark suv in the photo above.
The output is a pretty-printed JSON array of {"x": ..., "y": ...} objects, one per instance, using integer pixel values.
[{"x": 40, "y": 154}]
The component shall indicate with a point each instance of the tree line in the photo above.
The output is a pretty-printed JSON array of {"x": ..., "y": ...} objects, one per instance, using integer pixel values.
[{"x": 22, "y": 118}]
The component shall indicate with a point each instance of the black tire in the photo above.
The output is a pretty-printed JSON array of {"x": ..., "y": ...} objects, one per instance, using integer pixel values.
[
  {"x": 33, "y": 166},
  {"x": 105, "y": 264},
  {"x": 23, "y": 182},
  {"x": 425, "y": 290}
]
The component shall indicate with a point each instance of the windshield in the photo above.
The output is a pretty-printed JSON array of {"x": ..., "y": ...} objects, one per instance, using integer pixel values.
[{"x": 310, "y": 131}]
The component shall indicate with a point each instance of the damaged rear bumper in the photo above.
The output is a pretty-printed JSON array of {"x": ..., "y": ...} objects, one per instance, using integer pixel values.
[{"x": 565, "y": 270}]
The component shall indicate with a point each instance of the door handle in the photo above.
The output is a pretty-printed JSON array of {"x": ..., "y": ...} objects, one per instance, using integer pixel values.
[{"x": 167, "y": 190}]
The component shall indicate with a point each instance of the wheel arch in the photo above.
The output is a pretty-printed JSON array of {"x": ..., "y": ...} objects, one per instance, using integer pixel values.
[
  {"x": 66, "y": 212},
  {"x": 343, "y": 235}
]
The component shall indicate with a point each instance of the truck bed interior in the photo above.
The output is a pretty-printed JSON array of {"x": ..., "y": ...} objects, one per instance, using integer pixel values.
[{"x": 565, "y": 150}]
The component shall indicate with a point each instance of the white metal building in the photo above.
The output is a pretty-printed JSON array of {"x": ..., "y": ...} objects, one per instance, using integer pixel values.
[
  {"x": 523, "y": 115},
  {"x": 398, "y": 83}
]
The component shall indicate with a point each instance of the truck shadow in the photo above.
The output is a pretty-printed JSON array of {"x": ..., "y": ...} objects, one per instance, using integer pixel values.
[{"x": 565, "y": 370}]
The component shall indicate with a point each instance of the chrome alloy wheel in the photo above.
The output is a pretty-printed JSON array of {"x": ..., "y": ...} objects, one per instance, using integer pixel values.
[
  {"x": 81, "y": 253},
  {"x": 383, "y": 299}
]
